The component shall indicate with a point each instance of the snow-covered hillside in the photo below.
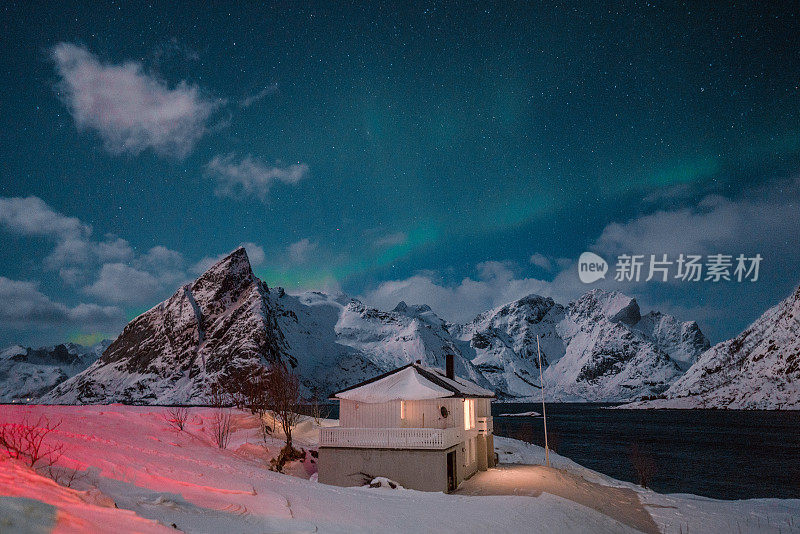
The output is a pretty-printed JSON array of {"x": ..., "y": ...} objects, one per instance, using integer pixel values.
[
  {"x": 228, "y": 323},
  {"x": 597, "y": 348},
  {"x": 337, "y": 341},
  {"x": 29, "y": 373},
  {"x": 221, "y": 326},
  {"x": 135, "y": 473},
  {"x": 758, "y": 369}
]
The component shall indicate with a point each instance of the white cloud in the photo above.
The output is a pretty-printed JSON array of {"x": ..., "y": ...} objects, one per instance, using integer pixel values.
[
  {"x": 300, "y": 251},
  {"x": 260, "y": 95},
  {"x": 23, "y": 306},
  {"x": 255, "y": 253},
  {"x": 389, "y": 240},
  {"x": 130, "y": 109},
  {"x": 540, "y": 260},
  {"x": 765, "y": 220},
  {"x": 108, "y": 269},
  {"x": 121, "y": 283},
  {"x": 33, "y": 217},
  {"x": 249, "y": 176},
  {"x": 495, "y": 285}
]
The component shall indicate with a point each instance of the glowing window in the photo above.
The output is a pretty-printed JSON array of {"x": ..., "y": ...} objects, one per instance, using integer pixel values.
[
  {"x": 402, "y": 409},
  {"x": 469, "y": 414}
]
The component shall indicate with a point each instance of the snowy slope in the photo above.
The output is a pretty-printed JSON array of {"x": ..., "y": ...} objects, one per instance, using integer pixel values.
[
  {"x": 28, "y": 373},
  {"x": 503, "y": 341},
  {"x": 597, "y": 348},
  {"x": 758, "y": 369},
  {"x": 337, "y": 341},
  {"x": 228, "y": 323},
  {"x": 220, "y": 327},
  {"x": 136, "y": 474}
]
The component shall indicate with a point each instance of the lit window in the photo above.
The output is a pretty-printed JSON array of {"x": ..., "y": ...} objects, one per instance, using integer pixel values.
[
  {"x": 402, "y": 409},
  {"x": 469, "y": 414}
]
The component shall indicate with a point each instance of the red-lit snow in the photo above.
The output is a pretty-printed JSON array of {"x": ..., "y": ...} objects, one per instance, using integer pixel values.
[{"x": 131, "y": 458}]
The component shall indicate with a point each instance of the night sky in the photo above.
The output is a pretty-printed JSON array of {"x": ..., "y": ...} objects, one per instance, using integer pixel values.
[{"x": 458, "y": 154}]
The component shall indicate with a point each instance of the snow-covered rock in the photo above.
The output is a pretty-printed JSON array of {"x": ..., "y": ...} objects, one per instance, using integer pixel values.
[
  {"x": 597, "y": 348},
  {"x": 503, "y": 342},
  {"x": 228, "y": 323},
  {"x": 27, "y": 373},
  {"x": 220, "y": 327},
  {"x": 758, "y": 369}
]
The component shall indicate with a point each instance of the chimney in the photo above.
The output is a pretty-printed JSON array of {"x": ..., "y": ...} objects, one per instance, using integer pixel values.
[{"x": 449, "y": 372}]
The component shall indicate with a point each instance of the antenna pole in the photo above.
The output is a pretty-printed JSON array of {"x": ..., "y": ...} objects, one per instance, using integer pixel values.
[{"x": 544, "y": 411}]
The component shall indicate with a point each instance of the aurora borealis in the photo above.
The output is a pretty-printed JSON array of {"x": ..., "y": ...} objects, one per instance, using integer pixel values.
[{"x": 388, "y": 148}]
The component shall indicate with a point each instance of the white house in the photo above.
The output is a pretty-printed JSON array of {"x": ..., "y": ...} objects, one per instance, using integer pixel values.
[{"x": 423, "y": 427}]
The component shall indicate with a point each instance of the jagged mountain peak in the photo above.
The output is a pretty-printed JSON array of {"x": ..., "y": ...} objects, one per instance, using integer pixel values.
[
  {"x": 759, "y": 368},
  {"x": 411, "y": 310},
  {"x": 235, "y": 265},
  {"x": 613, "y": 305}
]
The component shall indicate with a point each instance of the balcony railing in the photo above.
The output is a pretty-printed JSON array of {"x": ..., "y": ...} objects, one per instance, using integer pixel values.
[
  {"x": 485, "y": 425},
  {"x": 390, "y": 438}
]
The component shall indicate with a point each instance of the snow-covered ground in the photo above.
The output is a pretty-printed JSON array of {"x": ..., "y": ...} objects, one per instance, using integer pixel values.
[{"x": 138, "y": 474}]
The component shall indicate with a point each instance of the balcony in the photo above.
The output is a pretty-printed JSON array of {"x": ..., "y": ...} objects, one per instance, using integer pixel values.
[
  {"x": 485, "y": 425},
  {"x": 390, "y": 438}
]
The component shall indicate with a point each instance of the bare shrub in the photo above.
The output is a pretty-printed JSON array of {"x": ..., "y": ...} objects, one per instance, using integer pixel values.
[
  {"x": 221, "y": 417},
  {"x": 284, "y": 400},
  {"x": 643, "y": 464},
  {"x": 255, "y": 391},
  {"x": 318, "y": 412},
  {"x": 30, "y": 443},
  {"x": 177, "y": 416},
  {"x": 65, "y": 476}
]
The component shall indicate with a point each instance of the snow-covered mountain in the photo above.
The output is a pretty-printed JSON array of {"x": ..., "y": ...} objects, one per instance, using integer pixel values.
[
  {"x": 338, "y": 341},
  {"x": 220, "y": 327},
  {"x": 28, "y": 373},
  {"x": 502, "y": 343},
  {"x": 228, "y": 323},
  {"x": 598, "y": 348},
  {"x": 758, "y": 369}
]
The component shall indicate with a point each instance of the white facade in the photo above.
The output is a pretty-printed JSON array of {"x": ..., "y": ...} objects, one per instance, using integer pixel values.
[{"x": 453, "y": 433}]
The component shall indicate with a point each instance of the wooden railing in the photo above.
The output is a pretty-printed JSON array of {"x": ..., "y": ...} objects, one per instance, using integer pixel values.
[
  {"x": 390, "y": 438},
  {"x": 485, "y": 425}
]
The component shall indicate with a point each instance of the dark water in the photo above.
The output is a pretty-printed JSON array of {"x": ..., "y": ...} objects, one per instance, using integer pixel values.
[{"x": 717, "y": 453}]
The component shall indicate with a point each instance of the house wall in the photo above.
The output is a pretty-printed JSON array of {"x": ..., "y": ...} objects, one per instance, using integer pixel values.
[
  {"x": 424, "y": 470},
  {"x": 483, "y": 407},
  {"x": 418, "y": 414}
]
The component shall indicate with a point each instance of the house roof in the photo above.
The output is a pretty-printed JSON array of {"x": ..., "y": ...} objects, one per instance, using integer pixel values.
[{"x": 412, "y": 382}]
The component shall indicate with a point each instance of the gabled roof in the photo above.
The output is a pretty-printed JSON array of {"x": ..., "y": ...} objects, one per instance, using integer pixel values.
[{"x": 412, "y": 382}]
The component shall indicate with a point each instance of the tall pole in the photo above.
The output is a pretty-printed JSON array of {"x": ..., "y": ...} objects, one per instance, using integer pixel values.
[{"x": 544, "y": 410}]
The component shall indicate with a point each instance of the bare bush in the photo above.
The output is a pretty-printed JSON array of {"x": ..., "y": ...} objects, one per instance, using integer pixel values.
[
  {"x": 643, "y": 464},
  {"x": 287, "y": 454},
  {"x": 30, "y": 443},
  {"x": 65, "y": 476},
  {"x": 284, "y": 400},
  {"x": 318, "y": 412},
  {"x": 255, "y": 391},
  {"x": 221, "y": 426},
  {"x": 177, "y": 416}
]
